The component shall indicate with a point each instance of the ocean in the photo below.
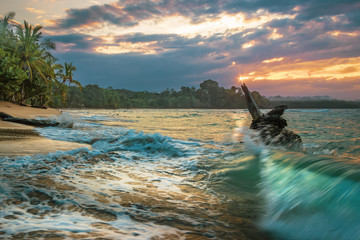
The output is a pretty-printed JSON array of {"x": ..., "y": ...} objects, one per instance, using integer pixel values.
[{"x": 186, "y": 174}]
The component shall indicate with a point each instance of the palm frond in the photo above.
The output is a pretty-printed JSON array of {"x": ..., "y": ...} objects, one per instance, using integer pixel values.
[
  {"x": 48, "y": 44},
  {"x": 77, "y": 83},
  {"x": 8, "y": 17}
]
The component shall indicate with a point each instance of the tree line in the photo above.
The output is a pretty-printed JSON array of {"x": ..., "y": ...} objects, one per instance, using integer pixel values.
[
  {"x": 29, "y": 73},
  {"x": 209, "y": 95}
]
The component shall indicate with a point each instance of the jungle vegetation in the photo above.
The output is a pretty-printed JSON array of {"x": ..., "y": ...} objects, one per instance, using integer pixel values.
[
  {"x": 29, "y": 73},
  {"x": 209, "y": 95}
]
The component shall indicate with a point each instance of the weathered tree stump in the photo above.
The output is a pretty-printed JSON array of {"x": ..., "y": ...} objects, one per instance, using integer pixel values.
[{"x": 271, "y": 126}]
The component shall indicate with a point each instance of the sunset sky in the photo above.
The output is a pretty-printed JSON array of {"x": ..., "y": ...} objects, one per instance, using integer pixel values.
[{"x": 277, "y": 47}]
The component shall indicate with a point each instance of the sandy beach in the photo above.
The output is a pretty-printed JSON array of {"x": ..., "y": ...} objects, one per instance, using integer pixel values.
[{"x": 18, "y": 139}]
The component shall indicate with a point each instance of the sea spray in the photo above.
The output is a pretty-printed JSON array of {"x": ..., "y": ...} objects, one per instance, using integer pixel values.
[
  {"x": 309, "y": 197},
  {"x": 65, "y": 119}
]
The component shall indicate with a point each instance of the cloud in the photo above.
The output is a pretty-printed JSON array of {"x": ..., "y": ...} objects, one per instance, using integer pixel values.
[
  {"x": 75, "y": 42},
  {"x": 273, "y": 60},
  {"x": 33, "y": 10},
  {"x": 347, "y": 88},
  {"x": 168, "y": 43},
  {"x": 334, "y": 68},
  {"x": 314, "y": 9},
  {"x": 130, "y": 13}
]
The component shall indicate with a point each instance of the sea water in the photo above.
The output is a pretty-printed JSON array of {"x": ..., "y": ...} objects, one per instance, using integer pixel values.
[{"x": 186, "y": 174}]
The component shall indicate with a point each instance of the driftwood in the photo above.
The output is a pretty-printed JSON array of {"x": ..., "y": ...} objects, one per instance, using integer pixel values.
[
  {"x": 271, "y": 126},
  {"x": 31, "y": 122}
]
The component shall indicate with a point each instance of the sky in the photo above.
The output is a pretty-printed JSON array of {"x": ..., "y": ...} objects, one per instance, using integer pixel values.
[{"x": 277, "y": 47}]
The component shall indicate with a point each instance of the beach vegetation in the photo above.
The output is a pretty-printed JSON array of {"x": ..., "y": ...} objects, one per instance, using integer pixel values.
[{"x": 30, "y": 74}]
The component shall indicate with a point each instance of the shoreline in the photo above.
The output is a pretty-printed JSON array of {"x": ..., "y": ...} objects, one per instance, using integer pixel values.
[{"x": 20, "y": 140}]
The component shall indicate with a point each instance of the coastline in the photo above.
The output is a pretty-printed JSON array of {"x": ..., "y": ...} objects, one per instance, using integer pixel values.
[{"x": 19, "y": 139}]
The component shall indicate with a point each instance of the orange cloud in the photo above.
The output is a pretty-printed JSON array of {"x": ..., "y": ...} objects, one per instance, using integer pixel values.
[
  {"x": 128, "y": 47},
  {"x": 344, "y": 34},
  {"x": 349, "y": 70},
  {"x": 279, "y": 69},
  {"x": 273, "y": 60},
  {"x": 33, "y": 10},
  {"x": 346, "y": 88},
  {"x": 249, "y": 44}
]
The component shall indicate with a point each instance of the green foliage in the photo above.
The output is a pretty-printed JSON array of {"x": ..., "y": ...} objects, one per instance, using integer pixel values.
[
  {"x": 210, "y": 95},
  {"x": 11, "y": 75},
  {"x": 29, "y": 73}
]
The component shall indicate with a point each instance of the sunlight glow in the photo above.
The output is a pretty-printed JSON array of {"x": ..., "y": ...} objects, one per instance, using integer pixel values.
[
  {"x": 222, "y": 26},
  {"x": 33, "y": 10},
  {"x": 335, "y": 68},
  {"x": 127, "y": 47},
  {"x": 274, "y": 35},
  {"x": 241, "y": 79},
  {"x": 248, "y": 44},
  {"x": 183, "y": 26},
  {"x": 349, "y": 34},
  {"x": 273, "y": 60}
]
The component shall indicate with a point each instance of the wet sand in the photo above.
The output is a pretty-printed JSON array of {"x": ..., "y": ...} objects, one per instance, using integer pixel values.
[{"x": 19, "y": 139}]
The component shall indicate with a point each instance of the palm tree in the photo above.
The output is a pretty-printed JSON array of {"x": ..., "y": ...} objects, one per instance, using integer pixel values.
[
  {"x": 5, "y": 22},
  {"x": 33, "y": 52},
  {"x": 41, "y": 76},
  {"x": 68, "y": 74},
  {"x": 7, "y": 38},
  {"x": 64, "y": 76}
]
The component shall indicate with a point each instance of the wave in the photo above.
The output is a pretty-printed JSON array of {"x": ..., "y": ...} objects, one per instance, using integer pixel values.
[
  {"x": 140, "y": 142},
  {"x": 310, "y": 197},
  {"x": 307, "y": 195},
  {"x": 128, "y": 185},
  {"x": 106, "y": 139},
  {"x": 80, "y": 194}
]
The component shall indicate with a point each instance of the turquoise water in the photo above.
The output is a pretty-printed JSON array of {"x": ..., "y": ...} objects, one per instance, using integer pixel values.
[{"x": 186, "y": 174}]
